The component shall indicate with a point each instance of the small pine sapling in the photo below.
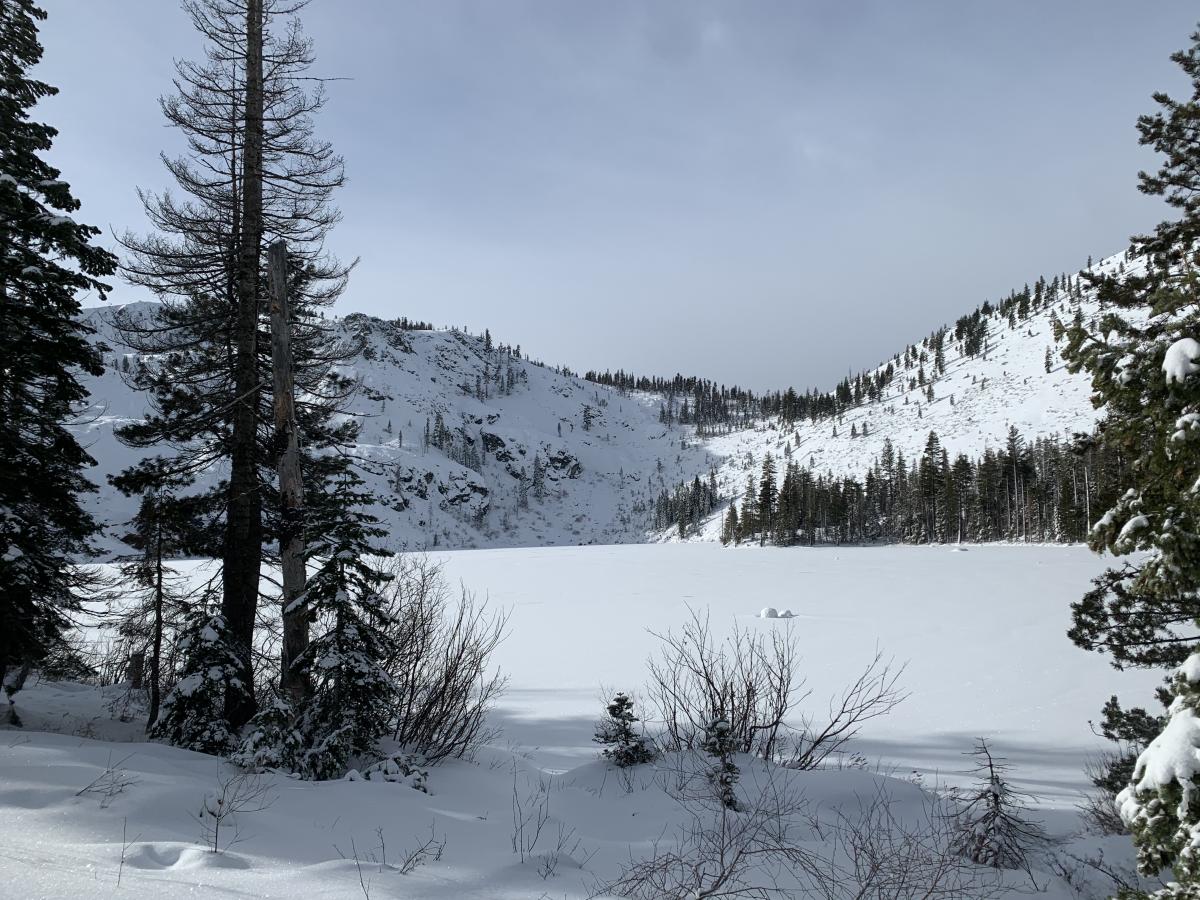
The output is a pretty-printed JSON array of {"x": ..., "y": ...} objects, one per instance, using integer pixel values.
[
  {"x": 193, "y": 713},
  {"x": 347, "y": 711},
  {"x": 272, "y": 741},
  {"x": 622, "y": 745},
  {"x": 996, "y": 828},
  {"x": 719, "y": 743}
]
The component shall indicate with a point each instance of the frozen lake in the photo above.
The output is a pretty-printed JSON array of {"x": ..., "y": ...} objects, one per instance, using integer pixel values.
[{"x": 983, "y": 633}]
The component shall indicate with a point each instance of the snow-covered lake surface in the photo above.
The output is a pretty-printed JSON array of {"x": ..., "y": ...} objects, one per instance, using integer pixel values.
[{"x": 982, "y": 631}]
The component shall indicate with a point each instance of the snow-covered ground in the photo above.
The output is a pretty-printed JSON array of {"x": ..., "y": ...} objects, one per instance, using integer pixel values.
[{"x": 981, "y": 632}]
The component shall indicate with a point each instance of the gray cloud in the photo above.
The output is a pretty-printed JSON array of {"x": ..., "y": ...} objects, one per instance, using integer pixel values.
[{"x": 763, "y": 192}]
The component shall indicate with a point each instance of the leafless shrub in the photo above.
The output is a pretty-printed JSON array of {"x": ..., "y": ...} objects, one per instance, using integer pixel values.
[
  {"x": 428, "y": 849},
  {"x": 126, "y": 843},
  {"x": 752, "y": 681},
  {"x": 718, "y": 852},
  {"x": 1092, "y": 877},
  {"x": 236, "y": 793},
  {"x": 874, "y": 693},
  {"x": 440, "y": 660},
  {"x": 363, "y": 883},
  {"x": 749, "y": 680},
  {"x": 778, "y": 845},
  {"x": 877, "y": 853},
  {"x": 530, "y": 813},
  {"x": 1098, "y": 807},
  {"x": 111, "y": 782}
]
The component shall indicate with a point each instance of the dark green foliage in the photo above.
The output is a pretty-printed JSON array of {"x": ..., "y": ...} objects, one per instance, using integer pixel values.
[
  {"x": 1131, "y": 730},
  {"x": 721, "y": 744},
  {"x": 1142, "y": 359},
  {"x": 622, "y": 745},
  {"x": 193, "y": 712},
  {"x": 348, "y": 709},
  {"x": 687, "y": 506},
  {"x": 46, "y": 261},
  {"x": 1044, "y": 491},
  {"x": 1160, "y": 809},
  {"x": 1143, "y": 612},
  {"x": 272, "y": 740}
]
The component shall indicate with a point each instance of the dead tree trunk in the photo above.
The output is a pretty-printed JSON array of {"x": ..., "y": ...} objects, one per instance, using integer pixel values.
[
  {"x": 292, "y": 680},
  {"x": 243, "y": 526}
]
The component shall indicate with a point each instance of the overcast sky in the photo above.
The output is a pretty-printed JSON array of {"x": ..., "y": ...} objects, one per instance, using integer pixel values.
[{"x": 766, "y": 193}]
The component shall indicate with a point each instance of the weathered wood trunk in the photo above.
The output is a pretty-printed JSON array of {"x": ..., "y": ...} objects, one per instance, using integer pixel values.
[
  {"x": 156, "y": 649},
  {"x": 243, "y": 529},
  {"x": 293, "y": 679},
  {"x": 137, "y": 668}
]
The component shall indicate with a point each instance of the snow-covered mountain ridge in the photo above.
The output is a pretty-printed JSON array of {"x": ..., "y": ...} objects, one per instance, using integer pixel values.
[
  {"x": 504, "y": 420},
  {"x": 604, "y": 455},
  {"x": 1017, "y": 380}
]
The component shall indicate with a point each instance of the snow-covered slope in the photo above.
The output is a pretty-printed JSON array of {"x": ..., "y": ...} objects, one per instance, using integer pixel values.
[
  {"x": 975, "y": 402},
  {"x": 602, "y": 475},
  {"x": 599, "y": 474}
]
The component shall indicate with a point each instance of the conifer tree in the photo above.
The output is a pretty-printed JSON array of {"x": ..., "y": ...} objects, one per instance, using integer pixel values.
[
  {"x": 729, "y": 528},
  {"x": 538, "y": 482},
  {"x": 622, "y": 744},
  {"x": 47, "y": 260},
  {"x": 193, "y": 713},
  {"x": 1144, "y": 361},
  {"x": 748, "y": 519},
  {"x": 1141, "y": 357},
  {"x": 766, "y": 497},
  {"x": 1159, "y": 804},
  {"x": 158, "y": 600},
  {"x": 253, "y": 172},
  {"x": 996, "y": 825},
  {"x": 351, "y": 686}
]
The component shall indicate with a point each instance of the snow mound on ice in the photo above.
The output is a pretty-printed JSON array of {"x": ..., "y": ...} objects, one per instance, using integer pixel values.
[{"x": 770, "y": 612}]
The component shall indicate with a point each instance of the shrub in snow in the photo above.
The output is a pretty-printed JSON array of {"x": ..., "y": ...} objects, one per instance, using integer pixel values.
[
  {"x": 623, "y": 746},
  {"x": 720, "y": 743},
  {"x": 193, "y": 713},
  {"x": 235, "y": 794},
  {"x": 1161, "y": 804},
  {"x": 754, "y": 679},
  {"x": 399, "y": 768},
  {"x": 751, "y": 677},
  {"x": 994, "y": 820},
  {"x": 438, "y": 652},
  {"x": 271, "y": 740}
]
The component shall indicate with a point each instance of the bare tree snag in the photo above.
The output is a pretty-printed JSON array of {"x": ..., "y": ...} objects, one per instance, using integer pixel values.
[{"x": 292, "y": 680}]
